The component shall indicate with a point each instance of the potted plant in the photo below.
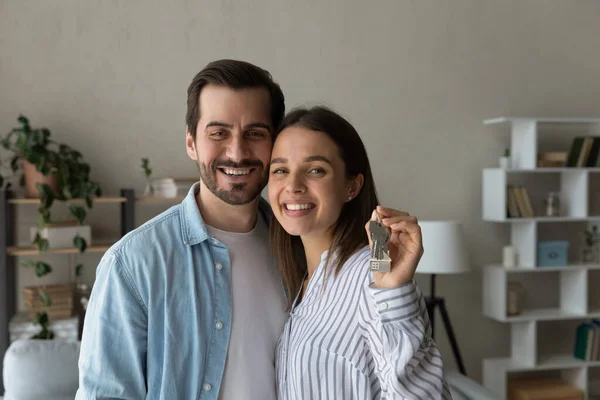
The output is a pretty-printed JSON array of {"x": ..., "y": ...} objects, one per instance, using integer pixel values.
[
  {"x": 147, "y": 173},
  {"x": 52, "y": 172},
  {"x": 504, "y": 160},
  {"x": 590, "y": 250}
]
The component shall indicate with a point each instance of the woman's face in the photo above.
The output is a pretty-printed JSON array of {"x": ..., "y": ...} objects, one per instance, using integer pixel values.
[{"x": 307, "y": 182}]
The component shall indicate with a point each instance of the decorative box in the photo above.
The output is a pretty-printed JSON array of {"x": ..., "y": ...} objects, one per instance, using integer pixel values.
[
  {"x": 61, "y": 234},
  {"x": 552, "y": 253}
]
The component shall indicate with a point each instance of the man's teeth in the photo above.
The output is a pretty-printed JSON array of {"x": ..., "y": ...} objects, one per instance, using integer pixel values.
[
  {"x": 237, "y": 171},
  {"x": 296, "y": 207}
]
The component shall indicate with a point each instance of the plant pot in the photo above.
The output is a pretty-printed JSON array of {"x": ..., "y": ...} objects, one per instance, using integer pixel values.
[
  {"x": 33, "y": 176},
  {"x": 504, "y": 162}
]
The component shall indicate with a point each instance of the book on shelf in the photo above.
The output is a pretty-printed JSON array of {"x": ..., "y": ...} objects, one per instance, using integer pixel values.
[
  {"x": 518, "y": 203},
  {"x": 587, "y": 341},
  {"x": 584, "y": 152}
]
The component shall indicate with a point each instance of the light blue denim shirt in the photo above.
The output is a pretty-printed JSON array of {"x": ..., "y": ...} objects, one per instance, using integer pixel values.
[{"x": 158, "y": 321}]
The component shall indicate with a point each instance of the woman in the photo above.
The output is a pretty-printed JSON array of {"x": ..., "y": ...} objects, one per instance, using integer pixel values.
[{"x": 351, "y": 334}]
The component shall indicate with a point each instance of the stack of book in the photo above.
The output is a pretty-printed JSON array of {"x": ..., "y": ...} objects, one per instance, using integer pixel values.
[
  {"x": 587, "y": 341},
  {"x": 584, "y": 152},
  {"x": 518, "y": 203},
  {"x": 61, "y": 298},
  {"x": 21, "y": 327}
]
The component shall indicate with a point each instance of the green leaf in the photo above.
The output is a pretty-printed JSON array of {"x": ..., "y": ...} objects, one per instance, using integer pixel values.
[
  {"x": 79, "y": 270},
  {"x": 42, "y": 269},
  {"x": 78, "y": 212},
  {"x": 46, "y": 300},
  {"x": 14, "y": 163},
  {"x": 41, "y": 243},
  {"x": 80, "y": 243},
  {"x": 22, "y": 180},
  {"x": 1, "y": 181}
]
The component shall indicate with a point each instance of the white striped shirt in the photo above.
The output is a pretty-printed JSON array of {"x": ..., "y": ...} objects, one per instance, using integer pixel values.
[{"x": 348, "y": 340}]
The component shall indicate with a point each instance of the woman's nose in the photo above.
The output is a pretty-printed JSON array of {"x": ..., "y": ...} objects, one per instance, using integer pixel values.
[{"x": 296, "y": 184}]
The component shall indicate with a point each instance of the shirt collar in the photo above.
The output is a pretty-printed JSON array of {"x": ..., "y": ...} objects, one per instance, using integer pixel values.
[{"x": 193, "y": 228}]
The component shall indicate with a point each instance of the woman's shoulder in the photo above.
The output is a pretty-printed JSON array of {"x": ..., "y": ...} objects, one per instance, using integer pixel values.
[{"x": 357, "y": 265}]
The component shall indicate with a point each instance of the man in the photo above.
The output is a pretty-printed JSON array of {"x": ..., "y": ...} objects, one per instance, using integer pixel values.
[{"x": 190, "y": 305}]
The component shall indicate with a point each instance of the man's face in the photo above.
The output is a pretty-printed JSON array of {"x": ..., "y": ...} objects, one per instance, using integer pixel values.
[{"x": 233, "y": 142}]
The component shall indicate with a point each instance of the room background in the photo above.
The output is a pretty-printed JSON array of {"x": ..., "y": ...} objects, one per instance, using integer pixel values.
[{"x": 416, "y": 78}]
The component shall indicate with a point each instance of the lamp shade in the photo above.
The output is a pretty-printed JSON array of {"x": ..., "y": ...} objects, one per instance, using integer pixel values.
[{"x": 444, "y": 248}]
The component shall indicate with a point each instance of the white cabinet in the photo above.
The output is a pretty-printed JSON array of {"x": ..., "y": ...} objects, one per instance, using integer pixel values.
[{"x": 556, "y": 295}]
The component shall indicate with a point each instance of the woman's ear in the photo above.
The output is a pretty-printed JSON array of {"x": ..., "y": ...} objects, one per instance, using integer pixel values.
[{"x": 354, "y": 186}]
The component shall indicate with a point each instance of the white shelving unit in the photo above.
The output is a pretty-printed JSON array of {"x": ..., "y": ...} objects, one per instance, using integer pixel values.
[{"x": 573, "y": 302}]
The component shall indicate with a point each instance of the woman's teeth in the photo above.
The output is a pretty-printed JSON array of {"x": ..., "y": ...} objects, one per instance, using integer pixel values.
[{"x": 296, "y": 207}]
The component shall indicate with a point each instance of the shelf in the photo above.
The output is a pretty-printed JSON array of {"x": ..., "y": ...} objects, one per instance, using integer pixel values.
[
  {"x": 539, "y": 170},
  {"x": 547, "y": 120},
  {"x": 560, "y": 361},
  {"x": 545, "y": 219},
  {"x": 96, "y": 200},
  {"x": 546, "y": 314},
  {"x": 17, "y": 251},
  {"x": 151, "y": 199},
  {"x": 537, "y": 269}
]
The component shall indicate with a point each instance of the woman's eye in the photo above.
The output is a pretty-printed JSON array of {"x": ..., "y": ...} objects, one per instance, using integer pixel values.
[{"x": 277, "y": 171}]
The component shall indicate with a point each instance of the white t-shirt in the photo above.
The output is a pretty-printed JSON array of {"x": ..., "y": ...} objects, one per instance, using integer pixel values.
[{"x": 258, "y": 314}]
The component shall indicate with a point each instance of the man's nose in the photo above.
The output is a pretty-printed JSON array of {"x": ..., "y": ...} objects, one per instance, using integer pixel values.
[{"x": 238, "y": 149}]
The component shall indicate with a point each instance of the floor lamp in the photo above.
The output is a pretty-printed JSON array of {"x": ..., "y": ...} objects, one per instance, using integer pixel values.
[{"x": 445, "y": 253}]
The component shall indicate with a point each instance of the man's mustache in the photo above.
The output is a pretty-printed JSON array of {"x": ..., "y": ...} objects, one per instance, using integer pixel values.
[{"x": 233, "y": 164}]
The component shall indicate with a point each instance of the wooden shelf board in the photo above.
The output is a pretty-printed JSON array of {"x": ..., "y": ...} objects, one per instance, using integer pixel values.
[
  {"x": 550, "y": 362},
  {"x": 153, "y": 199},
  {"x": 33, "y": 251},
  {"x": 96, "y": 200}
]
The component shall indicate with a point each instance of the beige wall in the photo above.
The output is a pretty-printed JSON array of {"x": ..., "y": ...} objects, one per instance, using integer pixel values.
[{"x": 415, "y": 77}]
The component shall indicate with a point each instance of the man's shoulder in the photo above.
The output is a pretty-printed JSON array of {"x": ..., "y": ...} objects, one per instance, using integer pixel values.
[{"x": 161, "y": 229}]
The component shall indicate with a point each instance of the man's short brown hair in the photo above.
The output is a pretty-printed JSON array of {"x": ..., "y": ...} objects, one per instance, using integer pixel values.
[{"x": 233, "y": 74}]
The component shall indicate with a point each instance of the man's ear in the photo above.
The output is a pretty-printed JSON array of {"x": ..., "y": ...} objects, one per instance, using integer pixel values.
[
  {"x": 190, "y": 145},
  {"x": 354, "y": 186}
]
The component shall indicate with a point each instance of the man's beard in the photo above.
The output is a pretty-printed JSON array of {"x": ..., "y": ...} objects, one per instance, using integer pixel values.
[{"x": 238, "y": 193}]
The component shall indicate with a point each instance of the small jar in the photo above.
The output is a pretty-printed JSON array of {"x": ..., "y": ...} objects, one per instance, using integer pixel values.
[
  {"x": 553, "y": 205},
  {"x": 515, "y": 299}
]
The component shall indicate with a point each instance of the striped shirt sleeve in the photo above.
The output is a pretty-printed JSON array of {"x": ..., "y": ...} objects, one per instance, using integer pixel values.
[{"x": 398, "y": 334}]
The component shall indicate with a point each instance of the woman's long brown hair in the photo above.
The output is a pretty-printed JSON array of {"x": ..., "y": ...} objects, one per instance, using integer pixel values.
[{"x": 349, "y": 234}]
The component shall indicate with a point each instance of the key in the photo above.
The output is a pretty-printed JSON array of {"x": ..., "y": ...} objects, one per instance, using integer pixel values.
[{"x": 380, "y": 260}]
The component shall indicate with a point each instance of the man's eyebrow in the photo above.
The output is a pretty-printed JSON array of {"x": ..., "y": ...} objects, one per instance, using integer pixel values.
[
  {"x": 218, "y": 123},
  {"x": 258, "y": 125}
]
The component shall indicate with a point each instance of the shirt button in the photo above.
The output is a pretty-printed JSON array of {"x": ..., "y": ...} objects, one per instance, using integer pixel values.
[
  {"x": 383, "y": 306},
  {"x": 207, "y": 387},
  {"x": 219, "y": 325},
  {"x": 219, "y": 266}
]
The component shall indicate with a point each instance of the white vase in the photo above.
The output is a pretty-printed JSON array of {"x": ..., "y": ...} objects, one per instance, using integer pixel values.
[{"x": 504, "y": 162}]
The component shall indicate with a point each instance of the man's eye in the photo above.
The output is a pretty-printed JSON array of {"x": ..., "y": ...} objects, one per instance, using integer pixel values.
[
  {"x": 258, "y": 134},
  {"x": 316, "y": 171},
  {"x": 217, "y": 134}
]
